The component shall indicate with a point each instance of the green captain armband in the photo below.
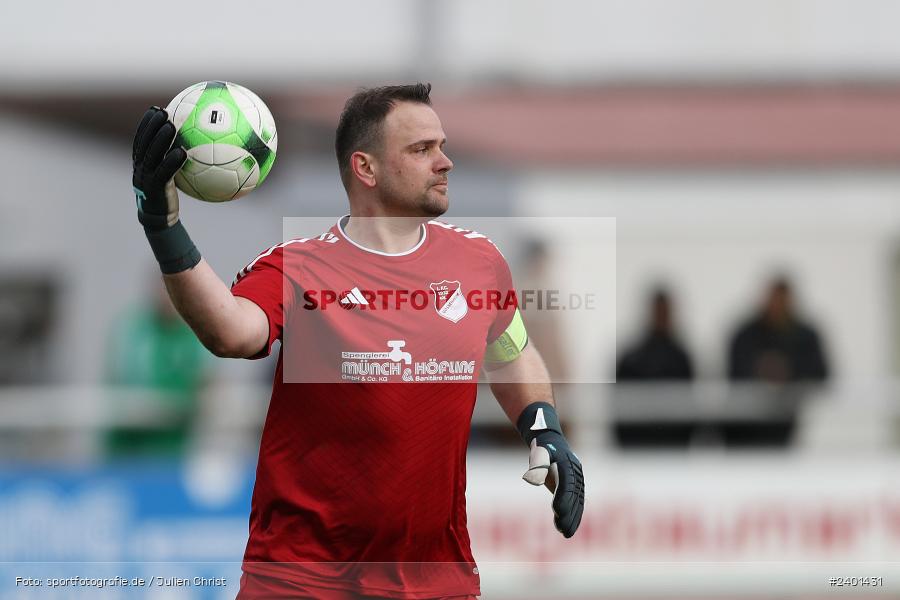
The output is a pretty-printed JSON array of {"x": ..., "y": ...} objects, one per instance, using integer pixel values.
[{"x": 510, "y": 344}]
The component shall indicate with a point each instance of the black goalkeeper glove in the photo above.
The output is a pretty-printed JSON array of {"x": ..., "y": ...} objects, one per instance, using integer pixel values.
[
  {"x": 551, "y": 462},
  {"x": 155, "y": 163}
]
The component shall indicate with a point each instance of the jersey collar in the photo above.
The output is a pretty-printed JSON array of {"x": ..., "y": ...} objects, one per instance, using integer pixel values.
[{"x": 345, "y": 218}]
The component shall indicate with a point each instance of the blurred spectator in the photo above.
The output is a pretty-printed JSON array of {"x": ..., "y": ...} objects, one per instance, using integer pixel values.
[
  {"x": 153, "y": 349},
  {"x": 778, "y": 348},
  {"x": 659, "y": 355},
  {"x": 776, "y": 345}
]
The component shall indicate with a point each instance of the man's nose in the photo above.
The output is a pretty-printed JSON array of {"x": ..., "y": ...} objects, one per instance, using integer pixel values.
[{"x": 443, "y": 164}]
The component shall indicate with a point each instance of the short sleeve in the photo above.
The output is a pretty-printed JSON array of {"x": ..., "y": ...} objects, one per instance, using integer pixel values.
[
  {"x": 264, "y": 282},
  {"x": 508, "y": 301}
]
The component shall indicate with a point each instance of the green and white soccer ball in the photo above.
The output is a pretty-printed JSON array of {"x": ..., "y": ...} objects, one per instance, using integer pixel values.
[{"x": 230, "y": 138}]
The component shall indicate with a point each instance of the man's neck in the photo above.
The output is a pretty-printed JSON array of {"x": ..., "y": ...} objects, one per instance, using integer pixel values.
[{"x": 391, "y": 235}]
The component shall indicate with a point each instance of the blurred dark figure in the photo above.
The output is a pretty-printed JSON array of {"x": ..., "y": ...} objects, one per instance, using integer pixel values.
[
  {"x": 775, "y": 345},
  {"x": 778, "y": 348},
  {"x": 658, "y": 355},
  {"x": 153, "y": 350}
]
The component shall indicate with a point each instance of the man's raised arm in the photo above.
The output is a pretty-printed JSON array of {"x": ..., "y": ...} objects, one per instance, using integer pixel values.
[{"x": 225, "y": 324}]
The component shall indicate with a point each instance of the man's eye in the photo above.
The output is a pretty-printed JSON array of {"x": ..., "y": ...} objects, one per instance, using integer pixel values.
[{"x": 422, "y": 150}]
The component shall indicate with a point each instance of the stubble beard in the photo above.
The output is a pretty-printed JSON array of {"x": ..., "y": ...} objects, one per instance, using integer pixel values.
[
  {"x": 429, "y": 203},
  {"x": 433, "y": 203}
]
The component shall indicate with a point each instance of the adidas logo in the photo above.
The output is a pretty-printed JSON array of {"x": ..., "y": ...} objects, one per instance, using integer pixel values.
[{"x": 352, "y": 298}]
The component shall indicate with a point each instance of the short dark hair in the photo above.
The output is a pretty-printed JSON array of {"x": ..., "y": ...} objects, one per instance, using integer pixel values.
[{"x": 360, "y": 125}]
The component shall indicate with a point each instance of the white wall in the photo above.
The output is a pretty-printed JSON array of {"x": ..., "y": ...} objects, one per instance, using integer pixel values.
[{"x": 699, "y": 526}]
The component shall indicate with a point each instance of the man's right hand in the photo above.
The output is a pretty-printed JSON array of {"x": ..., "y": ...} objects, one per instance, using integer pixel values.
[{"x": 155, "y": 165}]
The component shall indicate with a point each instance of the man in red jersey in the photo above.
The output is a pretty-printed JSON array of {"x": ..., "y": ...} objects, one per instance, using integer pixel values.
[{"x": 385, "y": 322}]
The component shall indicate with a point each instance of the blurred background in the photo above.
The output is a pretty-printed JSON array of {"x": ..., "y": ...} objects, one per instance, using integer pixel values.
[{"x": 747, "y": 151}]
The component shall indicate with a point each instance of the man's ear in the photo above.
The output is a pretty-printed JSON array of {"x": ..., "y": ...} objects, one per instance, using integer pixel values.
[{"x": 363, "y": 168}]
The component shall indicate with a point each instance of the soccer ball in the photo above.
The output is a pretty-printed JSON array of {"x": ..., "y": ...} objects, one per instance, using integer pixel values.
[{"x": 230, "y": 138}]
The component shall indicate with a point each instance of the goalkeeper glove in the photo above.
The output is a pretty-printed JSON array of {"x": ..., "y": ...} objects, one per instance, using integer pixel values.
[
  {"x": 155, "y": 163},
  {"x": 551, "y": 462}
]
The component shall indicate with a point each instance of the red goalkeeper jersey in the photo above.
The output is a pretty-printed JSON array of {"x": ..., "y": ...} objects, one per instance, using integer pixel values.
[{"x": 361, "y": 477}]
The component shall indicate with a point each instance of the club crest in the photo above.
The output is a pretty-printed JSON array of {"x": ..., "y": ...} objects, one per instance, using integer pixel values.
[{"x": 449, "y": 301}]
